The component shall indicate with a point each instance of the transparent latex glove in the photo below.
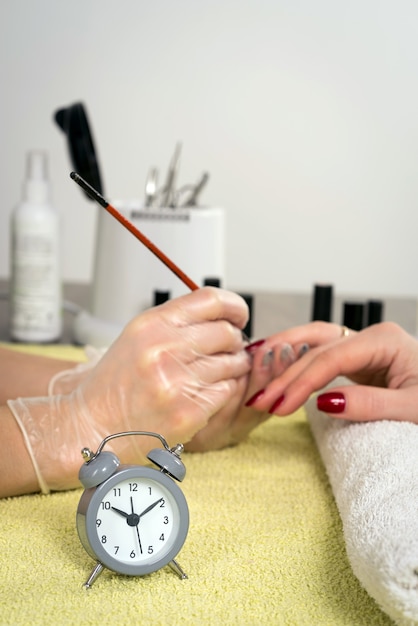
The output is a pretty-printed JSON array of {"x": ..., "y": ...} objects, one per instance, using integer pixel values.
[
  {"x": 169, "y": 371},
  {"x": 67, "y": 380}
]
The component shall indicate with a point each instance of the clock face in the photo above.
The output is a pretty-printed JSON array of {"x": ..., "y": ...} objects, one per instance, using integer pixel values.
[{"x": 135, "y": 522}]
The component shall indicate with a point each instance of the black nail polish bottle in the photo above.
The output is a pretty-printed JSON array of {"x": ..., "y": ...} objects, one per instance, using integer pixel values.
[
  {"x": 212, "y": 281},
  {"x": 353, "y": 316},
  {"x": 374, "y": 312},
  {"x": 322, "y": 303},
  {"x": 160, "y": 297},
  {"x": 249, "y": 299}
]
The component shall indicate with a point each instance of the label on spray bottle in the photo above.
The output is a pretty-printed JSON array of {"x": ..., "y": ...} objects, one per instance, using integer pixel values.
[
  {"x": 35, "y": 285},
  {"x": 34, "y": 281}
]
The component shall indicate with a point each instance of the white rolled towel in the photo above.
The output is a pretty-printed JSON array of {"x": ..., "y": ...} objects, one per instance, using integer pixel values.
[{"x": 373, "y": 471}]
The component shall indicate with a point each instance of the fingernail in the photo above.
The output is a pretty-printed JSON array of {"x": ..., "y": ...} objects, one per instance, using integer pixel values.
[
  {"x": 252, "y": 347},
  {"x": 303, "y": 349},
  {"x": 331, "y": 402},
  {"x": 254, "y": 398},
  {"x": 287, "y": 354},
  {"x": 267, "y": 358},
  {"x": 276, "y": 405}
]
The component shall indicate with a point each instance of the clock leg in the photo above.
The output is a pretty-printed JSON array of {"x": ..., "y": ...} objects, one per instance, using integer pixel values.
[
  {"x": 176, "y": 568},
  {"x": 96, "y": 571}
]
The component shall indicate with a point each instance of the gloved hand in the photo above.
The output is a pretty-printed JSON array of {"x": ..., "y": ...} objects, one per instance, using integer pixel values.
[
  {"x": 65, "y": 381},
  {"x": 170, "y": 370}
]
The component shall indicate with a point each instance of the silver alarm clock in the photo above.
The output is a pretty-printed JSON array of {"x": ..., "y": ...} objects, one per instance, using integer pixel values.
[{"x": 132, "y": 519}]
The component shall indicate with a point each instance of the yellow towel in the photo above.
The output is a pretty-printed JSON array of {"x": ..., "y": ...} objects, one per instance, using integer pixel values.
[{"x": 265, "y": 546}]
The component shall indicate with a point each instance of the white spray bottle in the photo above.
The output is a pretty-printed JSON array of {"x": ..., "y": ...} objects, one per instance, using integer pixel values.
[{"x": 35, "y": 293}]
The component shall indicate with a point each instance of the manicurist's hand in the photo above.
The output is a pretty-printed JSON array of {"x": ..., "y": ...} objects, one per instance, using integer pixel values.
[
  {"x": 171, "y": 369},
  {"x": 381, "y": 360}
]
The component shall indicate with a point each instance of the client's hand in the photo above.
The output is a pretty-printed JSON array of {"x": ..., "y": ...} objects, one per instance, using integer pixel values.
[
  {"x": 382, "y": 360},
  {"x": 235, "y": 420},
  {"x": 170, "y": 371}
]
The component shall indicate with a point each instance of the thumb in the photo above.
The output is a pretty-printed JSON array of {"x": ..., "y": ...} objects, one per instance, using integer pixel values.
[{"x": 362, "y": 403}]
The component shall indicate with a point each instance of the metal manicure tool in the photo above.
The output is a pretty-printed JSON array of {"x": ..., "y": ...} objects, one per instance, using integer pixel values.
[{"x": 169, "y": 195}]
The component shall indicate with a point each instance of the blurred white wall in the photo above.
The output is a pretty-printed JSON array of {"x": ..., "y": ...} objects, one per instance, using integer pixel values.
[{"x": 304, "y": 113}]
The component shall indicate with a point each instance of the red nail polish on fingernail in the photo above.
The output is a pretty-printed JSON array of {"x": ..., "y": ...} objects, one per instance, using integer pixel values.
[
  {"x": 276, "y": 405},
  {"x": 254, "y": 398},
  {"x": 252, "y": 347},
  {"x": 331, "y": 402}
]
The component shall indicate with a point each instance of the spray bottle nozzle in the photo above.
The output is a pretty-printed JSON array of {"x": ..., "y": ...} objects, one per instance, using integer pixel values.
[
  {"x": 36, "y": 168},
  {"x": 36, "y": 185}
]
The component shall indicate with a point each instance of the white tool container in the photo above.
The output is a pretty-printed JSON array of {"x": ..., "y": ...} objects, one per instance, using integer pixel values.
[{"x": 126, "y": 273}]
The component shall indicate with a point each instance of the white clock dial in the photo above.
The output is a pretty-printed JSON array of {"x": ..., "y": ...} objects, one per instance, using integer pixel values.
[{"x": 135, "y": 520}]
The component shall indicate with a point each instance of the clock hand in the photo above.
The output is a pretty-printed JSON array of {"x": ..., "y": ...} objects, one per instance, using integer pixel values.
[
  {"x": 120, "y": 512},
  {"x": 132, "y": 519},
  {"x": 139, "y": 539},
  {"x": 149, "y": 508},
  {"x": 136, "y": 525}
]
